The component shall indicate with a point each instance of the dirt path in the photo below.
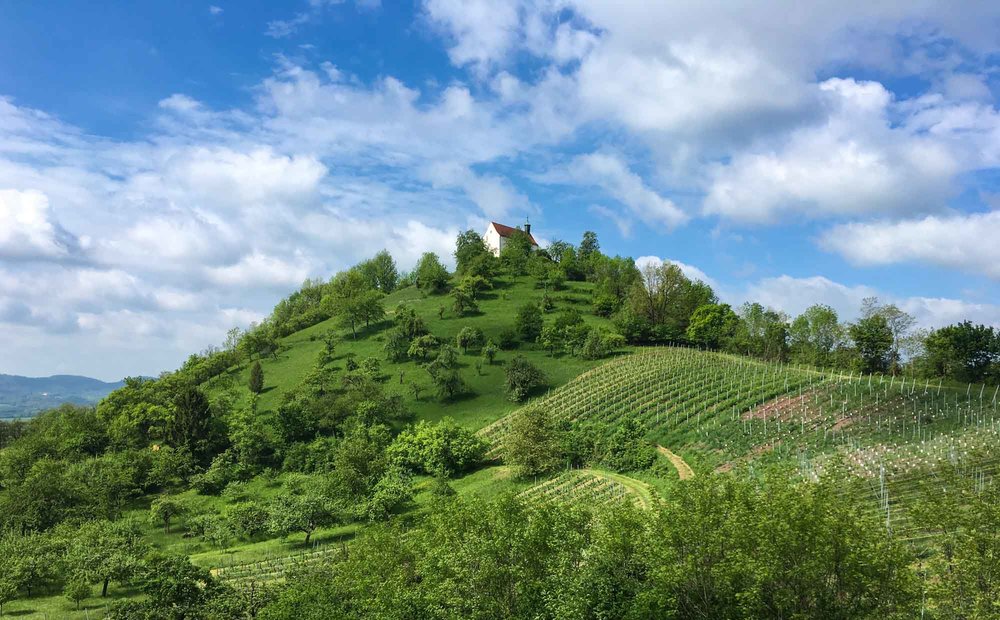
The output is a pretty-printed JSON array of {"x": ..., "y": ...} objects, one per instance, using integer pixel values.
[{"x": 683, "y": 469}]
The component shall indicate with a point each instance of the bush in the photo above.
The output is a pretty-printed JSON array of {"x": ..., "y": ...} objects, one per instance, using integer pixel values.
[
  {"x": 507, "y": 339},
  {"x": 528, "y": 322},
  {"x": 438, "y": 449}
]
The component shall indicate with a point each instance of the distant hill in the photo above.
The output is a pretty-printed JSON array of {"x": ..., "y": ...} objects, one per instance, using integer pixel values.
[{"x": 22, "y": 397}]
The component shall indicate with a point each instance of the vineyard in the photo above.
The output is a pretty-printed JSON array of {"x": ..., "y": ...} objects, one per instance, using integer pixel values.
[
  {"x": 276, "y": 568},
  {"x": 724, "y": 410},
  {"x": 592, "y": 488}
]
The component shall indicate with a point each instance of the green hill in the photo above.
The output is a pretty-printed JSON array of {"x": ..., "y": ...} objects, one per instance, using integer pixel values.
[{"x": 486, "y": 400}]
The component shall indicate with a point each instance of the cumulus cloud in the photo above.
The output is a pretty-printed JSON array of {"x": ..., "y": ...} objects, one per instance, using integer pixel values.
[
  {"x": 856, "y": 162},
  {"x": 28, "y": 228},
  {"x": 961, "y": 241},
  {"x": 612, "y": 175}
]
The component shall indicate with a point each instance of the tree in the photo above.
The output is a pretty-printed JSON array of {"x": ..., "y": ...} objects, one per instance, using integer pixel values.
[
  {"x": 464, "y": 300},
  {"x": 665, "y": 298},
  {"x": 256, "y": 383},
  {"x": 444, "y": 448},
  {"x": 175, "y": 588},
  {"x": 762, "y": 333},
  {"x": 77, "y": 589},
  {"x": 259, "y": 340},
  {"x": 431, "y": 275},
  {"x": 531, "y": 445},
  {"x": 396, "y": 345},
  {"x": 164, "y": 509},
  {"x": 352, "y": 301},
  {"x": 301, "y": 512},
  {"x": 247, "y": 519},
  {"x": 445, "y": 375},
  {"x": 516, "y": 253},
  {"x": 469, "y": 249},
  {"x": 106, "y": 551},
  {"x": 551, "y": 338},
  {"x": 192, "y": 425},
  {"x": 422, "y": 346},
  {"x": 873, "y": 338},
  {"x": 391, "y": 493},
  {"x": 962, "y": 352},
  {"x": 589, "y": 246},
  {"x": 814, "y": 335},
  {"x": 380, "y": 272},
  {"x": 469, "y": 338},
  {"x": 529, "y": 322},
  {"x": 712, "y": 325},
  {"x": 490, "y": 351},
  {"x": 900, "y": 324},
  {"x": 521, "y": 376}
]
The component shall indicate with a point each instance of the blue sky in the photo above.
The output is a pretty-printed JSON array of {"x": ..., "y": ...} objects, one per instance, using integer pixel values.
[{"x": 170, "y": 170}]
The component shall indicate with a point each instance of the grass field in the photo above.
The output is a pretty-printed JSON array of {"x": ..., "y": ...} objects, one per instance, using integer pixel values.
[{"x": 486, "y": 400}]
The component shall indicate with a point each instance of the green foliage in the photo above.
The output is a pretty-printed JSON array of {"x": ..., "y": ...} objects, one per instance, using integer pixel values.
[
  {"x": 815, "y": 334},
  {"x": 164, "y": 509},
  {"x": 470, "y": 252},
  {"x": 422, "y": 347},
  {"x": 469, "y": 338},
  {"x": 529, "y": 322},
  {"x": 521, "y": 377},
  {"x": 256, "y": 383},
  {"x": 443, "y": 449},
  {"x": 248, "y": 520},
  {"x": 601, "y": 343},
  {"x": 516, "y": 254},
  {"x": 490, "y": 351},
  {"x": 762, "y": 333},
  {"x": 663, "y": 299},
  {"x": 380, "y": 273},
  {"x": 392, "y": 493},
  {"x": 963, "y": 352},
  {"x": 193, "y": 426},
  {"x": 408, "y": 322},
  {"x": 431, "y": 275},
  {"x": 105, "y": 551},
  {"x": 464, "y": 300},
  {"x": 397, "y": 344},
  {"x": 77, "y": 589},
  {"x": 712, "y": 325},
  {"x": 873, "y": 338},
  {"x": 531, "y": 446},
  {"x": 302, "y": 510}
]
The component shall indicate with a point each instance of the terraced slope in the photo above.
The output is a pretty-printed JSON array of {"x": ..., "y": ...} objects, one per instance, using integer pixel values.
[
  {"x": 718, "y": 411},
  {"x": 592, "y": 488}
]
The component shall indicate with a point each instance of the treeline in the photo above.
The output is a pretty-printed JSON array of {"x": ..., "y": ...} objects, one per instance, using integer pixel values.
[{"x": 722, "y": 547}]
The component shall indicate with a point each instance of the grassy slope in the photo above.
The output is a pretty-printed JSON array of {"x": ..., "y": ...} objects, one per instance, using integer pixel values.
[{"x": 486, "y": 403}]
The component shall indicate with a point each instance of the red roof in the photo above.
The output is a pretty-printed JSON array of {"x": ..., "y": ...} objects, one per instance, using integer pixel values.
[{"x": 507, "y": 231}]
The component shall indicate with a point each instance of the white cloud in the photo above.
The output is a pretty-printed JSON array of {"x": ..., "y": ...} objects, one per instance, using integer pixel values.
[
  {"x": 215, "y": 10},
  {"x": 612, "y": 175},
  {"x": 495, "y": 196},
  {"x": 484, "y": 31},
  {"x": 965, "y": 241},
  {"x": 27, "y": 227},
  {"x": 855, "y": 163},
  {"x": 261, "y": 270}
]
